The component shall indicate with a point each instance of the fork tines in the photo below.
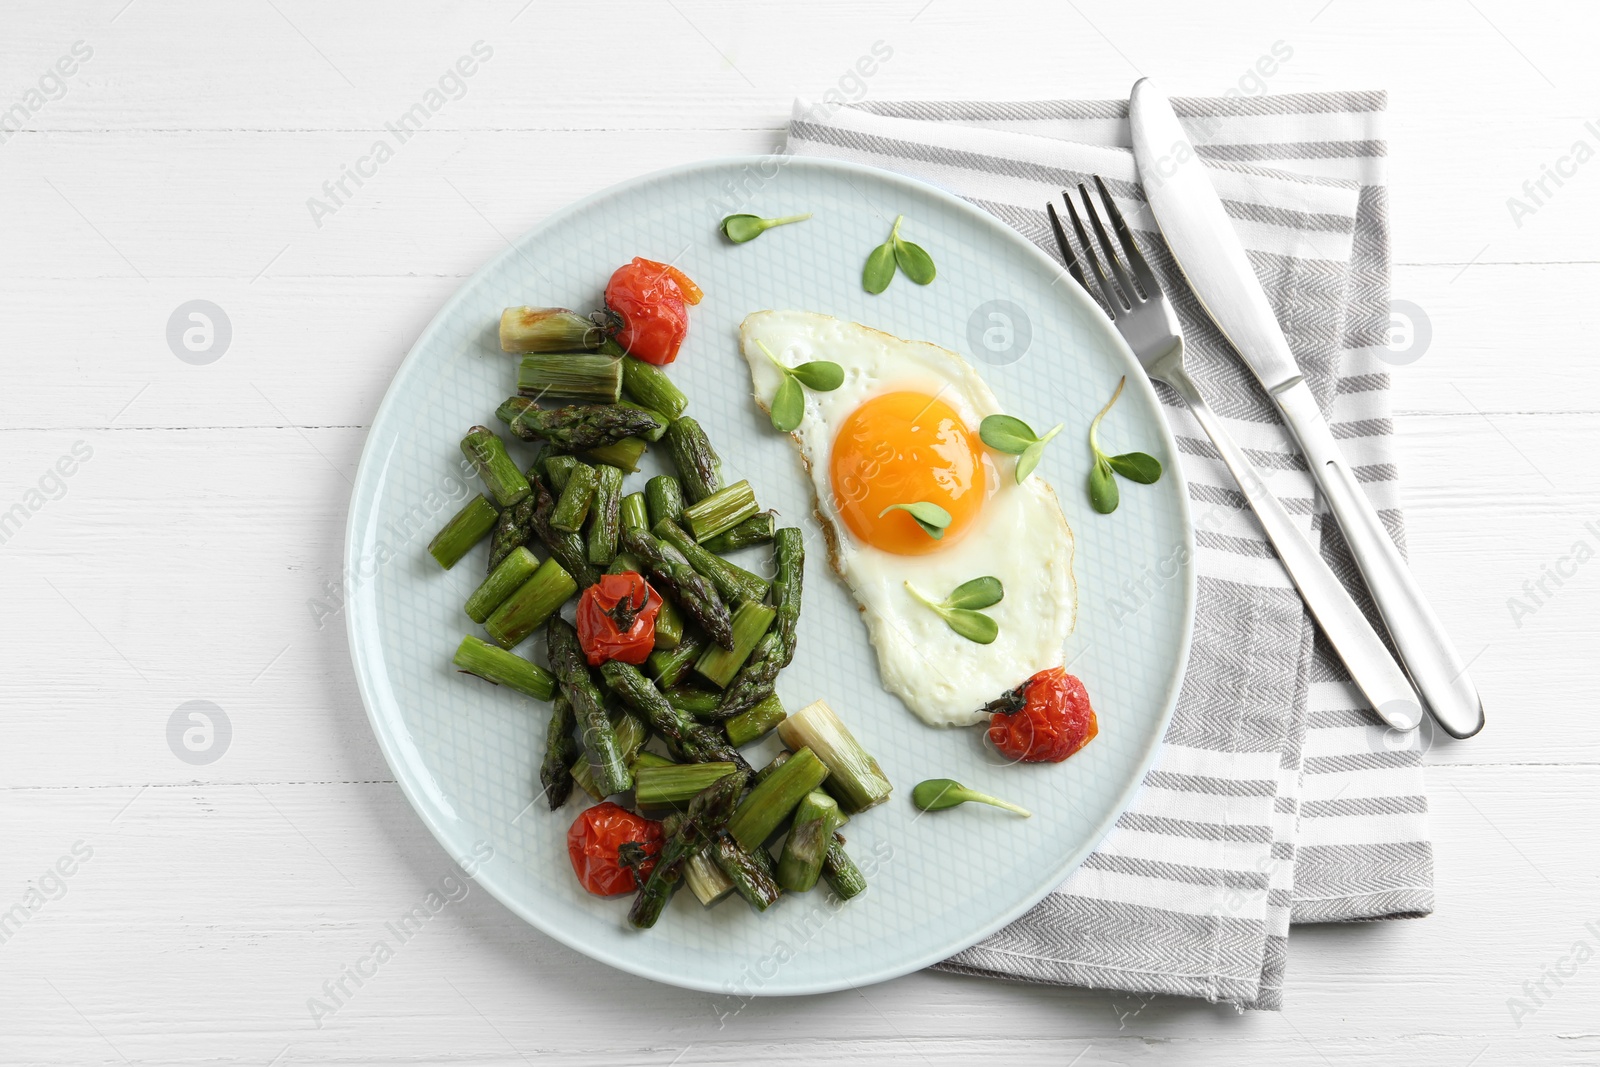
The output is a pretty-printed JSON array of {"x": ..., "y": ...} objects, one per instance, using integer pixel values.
[{"x": 1115, "y": 291}]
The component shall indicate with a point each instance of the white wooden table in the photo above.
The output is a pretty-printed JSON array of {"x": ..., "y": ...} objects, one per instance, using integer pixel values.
[{"x": 190, "y": 552}]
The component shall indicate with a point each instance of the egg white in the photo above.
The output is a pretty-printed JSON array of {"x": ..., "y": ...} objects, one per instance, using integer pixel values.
[{"x": 1019, "y": 535}]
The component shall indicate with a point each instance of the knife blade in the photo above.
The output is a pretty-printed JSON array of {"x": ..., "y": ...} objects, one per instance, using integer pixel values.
[{"x": 1207, "y": 249}]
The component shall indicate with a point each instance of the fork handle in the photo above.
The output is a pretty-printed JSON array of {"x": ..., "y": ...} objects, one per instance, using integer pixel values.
[{"x": 1373, "y": 669}]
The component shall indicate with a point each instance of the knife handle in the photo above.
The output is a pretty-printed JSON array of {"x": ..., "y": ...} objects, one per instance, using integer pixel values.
[
  {"x": 1425, "y": 649},
  {"x": 1371, "y": 666}
]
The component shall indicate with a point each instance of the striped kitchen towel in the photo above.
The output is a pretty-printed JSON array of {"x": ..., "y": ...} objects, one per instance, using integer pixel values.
[{"x": 1277, "y": 797}]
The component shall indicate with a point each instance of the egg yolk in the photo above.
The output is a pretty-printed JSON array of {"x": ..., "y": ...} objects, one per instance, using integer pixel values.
[{"x": 903, "y": 448}]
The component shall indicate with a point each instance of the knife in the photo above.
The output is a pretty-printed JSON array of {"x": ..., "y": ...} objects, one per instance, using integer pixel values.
[{"x": 1213, "y": 261}]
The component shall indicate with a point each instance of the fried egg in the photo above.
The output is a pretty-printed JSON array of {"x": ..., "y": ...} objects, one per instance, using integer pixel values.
[{"x": 902, "y": 429}]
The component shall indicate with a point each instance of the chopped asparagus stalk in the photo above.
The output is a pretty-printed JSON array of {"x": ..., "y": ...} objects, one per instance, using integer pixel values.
[
  {"x": 650, "y": 386},
  {"x": 531, "y": 604},
  {"x": 806, "y": 846},
  {"x": 477, "y": 656},
  {"x": 855, "y": 777},
  {"x": 518, "y": 566},
  {"x": 770, "y": 802},
  {"x": 635, "y": 515},
  {"x": 843, "y": 876},
  {"x": 631, "y": 733},
  {"x": 566, "y": 548},
  {"x": 651, "y": 759},
  {"x": 664, "y": 494},
  {"x": 505, "y": 482},
  {"x": 669, "y": 665},
  {"x": 752, "y": 879},
  {"x": 669, "y": 625},
  {"x": 692, "y": 741},
  {"x": 708, "y": 814},
  {"x": 576, "y": 498},
  {"x": 750, "y": 622},
  {"x": 656, "y": 787},
  {"x": 661, "y": 418},
  {"x": 465, "y": 529},
  {"x": 513, "y": 528},
  {"x": 756, "y": 679},
  {"x": 557, "y": 468},
  {"x": 706, "y": 880},
  {"x": 695, "y": 594},
  {"x": 699, "y": 467},
  {"x": 528, "y": 329},
  {"x": 570, "y": 375},
  {"x": 561, "y": 753},
  {"x": 735, "y": 584},
  {"x": 624, "y": 562},
  {"x": 576, "y": 427},
  {"x": 623, "y": 455},
  {"x": 748, "y": 726},
  {"x": 697, "y": 702},
  {"x": 722, "y": 510},
  {"x": 756, "y": 530},
  {"x": 605, "y": 522},
  {"x": 611, "y": 773},
  {"x": 772, "y": 767}
]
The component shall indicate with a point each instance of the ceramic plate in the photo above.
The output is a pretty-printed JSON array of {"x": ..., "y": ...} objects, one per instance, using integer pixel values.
[{"x": 466, "y": 752}]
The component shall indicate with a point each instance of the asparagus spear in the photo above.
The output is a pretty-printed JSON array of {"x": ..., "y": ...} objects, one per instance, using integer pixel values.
[
  {"x": 623, "y": 562},
  {"x": 699, "y": 467},
  {"x": 733, "y": 582},
  {"x": 708, "y": 814},
  {"x": 855, "y": 778},
  {"x": 720, "y": 665},
  {"x": 529, "y": 329},
  {"x": 561, "y": 752},
  {"x": 843, "y": 876},
  {"x": 684, "y": 736},
  {"x": 651, "y": 386},
  {"x": 662, "y": 419},
  {"x": 748, "y": 726},
  {"x": 501, "y": 477},
  {"x": 697, "y": 702},
  {"x": 706, "y": 880},
  {"x": 669, "y": 626},
  {"x": 770, "y": 802},
  {"x": 530, "y": 604},
  {"x": 465, "y": 529},
  {"x": 694, "y": 593},
  {"x": 722, "y": 510},
  {"x": 804, "y": 849},
  {"x": 755, "y": 680},
  {"x": 751, "y": 878},
  {"x": 664, "y": 495},
  {"x": 580, "y": 376},
  {"x": 516, "y": 568},
  {"x": 633, "y": 513},
  {"x": 566, "y": 548},
  {"x": 655, "y": 787},
  {"x": 576, "y": 427},
  {"x": 557, "y": 468},
  {"x": 623, "y": 455},
  {"x": 605, "y": 517},
  {"x": 668, "y": 665},
  {"x": 572, "y": 507},
  {"x": 756, "y": 530},
  {"x": 631, "y": 734},
  {"x": 513, "y": 528},
  {"x": 572, "y": 674},
  {"x": 493, "y": 664}
]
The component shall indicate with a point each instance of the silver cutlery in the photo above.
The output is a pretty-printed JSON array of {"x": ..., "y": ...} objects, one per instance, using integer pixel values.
[
  {"x": 1144, "y": 316},
  {"x": 1208, "y": 251}
]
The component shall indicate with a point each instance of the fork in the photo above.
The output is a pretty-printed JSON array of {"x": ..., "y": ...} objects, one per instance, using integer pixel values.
[{"x": 1144, "y": 316}]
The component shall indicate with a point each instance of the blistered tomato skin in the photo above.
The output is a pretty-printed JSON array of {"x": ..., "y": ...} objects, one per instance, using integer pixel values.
[
  {"x": 649, "y": 299},
  {"x": 617, "y": 619},
  {"x": 594, "y": 841},
  {"x": 1054, "y": 719}
]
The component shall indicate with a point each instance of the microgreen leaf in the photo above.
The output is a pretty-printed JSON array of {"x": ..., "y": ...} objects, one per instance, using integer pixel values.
[
  {"x": 916, "y": 262},
  {"x": 1137, "y": 467},
  {"x": 931, "y": 517},
  {"x": 820, "y": 375},
  {"x": 788, "y": 405},
  {"x": 1003, "y": 433},
  {"x": 742, "y": 228},
  {"x": 879, "y": 271},
  {"x": 1103, "y": 487},
  {"x": 979, "y": 593},
  {"x": 939, "y": 794},
  {"x": 975, "y": 626},
  {"x": 1028, "y": 460}
]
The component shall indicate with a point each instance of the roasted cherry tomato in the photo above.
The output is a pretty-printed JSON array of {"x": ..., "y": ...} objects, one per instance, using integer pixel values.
[
  {"x": 1043, "y": 720},
  {"x": 617, "y": 619},
  {"x": 601, "y": 841},
  {"x": 648, "y": 298}
]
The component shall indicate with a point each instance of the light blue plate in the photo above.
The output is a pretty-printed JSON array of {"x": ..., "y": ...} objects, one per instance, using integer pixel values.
[{"x": 466, "y": 752}]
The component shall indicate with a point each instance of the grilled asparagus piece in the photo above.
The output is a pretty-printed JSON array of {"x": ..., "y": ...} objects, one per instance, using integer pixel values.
[
  {"x": 752, "y": 879},
  {"x": 754, "y": 682},
  {"x": 699, "y": 467},
  {"x": 605, "y": 515},
  {"x": 561, "y": 752},
  {"x": 708, "y": 814},
  {"x": 693, "y": 592},
  {"x": 576, "y": 427},
  {"x": 567, "y": 662},
  {"x": 529, "y": 329},
  {"x": 686, "y": 738},
  {"x": 505, "y": 483},
  {"x": 465, "y": 529},
  {"x": 756, "y": 530},
  {"x": 512, "y": 529},
  {"x": 495, "y": 664},
  {"x": 565, "y": 548}
]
